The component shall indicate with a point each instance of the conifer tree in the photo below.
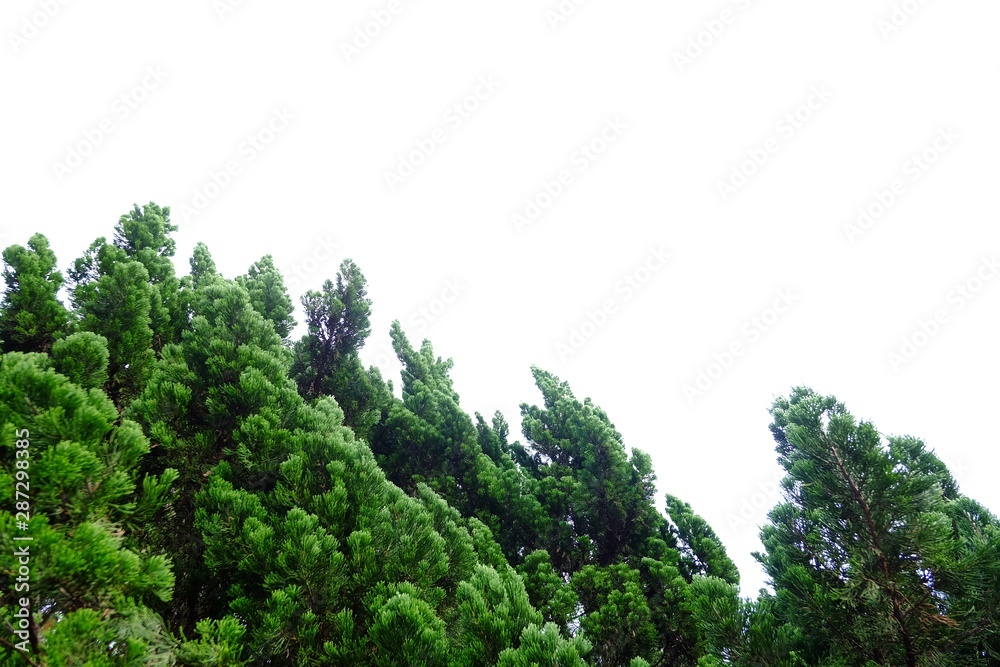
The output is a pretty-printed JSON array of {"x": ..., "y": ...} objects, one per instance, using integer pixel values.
[
  {"x": 266, "y": 287},
  {"x": 326, "y": 360},
  {"x": 426, "y": 437},
  {"x": 203, "y": 269},
  {"x": 31, "y": 315},
  {"x": 627, "y": 565},
  {"x": 144, "y": 234},
  {"x": 222, "y": 393},
  {"x": 875, "y": 555},
  {"x": 83, "y": 358},
  {"x": 73, "y": 465},
  {"x": 741, "y": 632},
  {"x": 117, "y": 307}
]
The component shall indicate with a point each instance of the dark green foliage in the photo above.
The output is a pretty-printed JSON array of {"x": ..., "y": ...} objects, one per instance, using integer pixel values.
[
  {"x": 740, "y": 632},
  {"x": 702, "y": 552},
  {"x": 31, "y": 315},
  {"x": 872, "y": 553},
  {"x": 626, "y": 565},
  {"x": 326, "y": 361}
]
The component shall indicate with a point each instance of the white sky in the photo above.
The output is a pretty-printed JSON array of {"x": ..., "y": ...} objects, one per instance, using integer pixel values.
[{"x": 678, "y": 129}]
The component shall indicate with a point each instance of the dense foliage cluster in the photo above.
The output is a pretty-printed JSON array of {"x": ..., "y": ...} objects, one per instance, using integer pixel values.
[{"x": 206, "y": 491}]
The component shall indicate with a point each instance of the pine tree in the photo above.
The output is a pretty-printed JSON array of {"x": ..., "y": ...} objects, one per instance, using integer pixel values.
[
  {"x": 83, "y": 358},
  {"x": 627, "y": 565},
  {"x": 75, "y": 468},
  {"x": 702, "y": 552},
  {"x": 426, "y": 438},
  {"x": 144, "y": 235},
  {"x": 266, "y": 287},
  {"x": 117, "y": 307},
  {"x": 875, "y": 555},
  {"x": 31, "y": 315},
  {"x": 222, "y": 393},
  {"x": 326, "y": 359},
  {"x": 741, "y": 632}
]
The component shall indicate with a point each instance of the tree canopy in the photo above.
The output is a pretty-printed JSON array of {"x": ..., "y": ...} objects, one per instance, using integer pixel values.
[{"x": 184, "y": 483}]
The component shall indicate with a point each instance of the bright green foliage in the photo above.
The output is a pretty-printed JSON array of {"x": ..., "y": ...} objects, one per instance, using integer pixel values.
[
  {"x": 268, "y": 296},
  {"x": 143, "y": 236},
  {"x": 494, "y": 609},
  {"x": 83, "y": 358},
  {"x": 31, "y": 315},
  {"x": 283, "y": 519},
  {"x": 203, "y": 268},
  {"x": 117, "y": 307},
  {"x": 78, "y": 466},
  {"x": 548, "y": 592},
  {"x": 223, "y": 392},
  {"x": 619, "y": 621},
  {"x": 545, "y": 646},
  {"x": 875, "y": 556}
]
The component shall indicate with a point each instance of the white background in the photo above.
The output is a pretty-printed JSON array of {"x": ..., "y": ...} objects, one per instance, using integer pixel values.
[{"x": 225, "y": 67}]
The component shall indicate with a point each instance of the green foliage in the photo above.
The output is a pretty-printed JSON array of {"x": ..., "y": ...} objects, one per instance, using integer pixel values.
[
  {"x": 870, "y": 553},
  {"x": 31, "y": 315},
  {"x": 702, "y": 552},
  {"x": 741, "y": 632},
  {"x": 326, "y": 361},
  {"x": 82, "y": 357},
  {"x": 268, "y": 296},
  {"x": 79, "y": 467},
  {"x": 546, "y": 646},
  {"x": 117, "y": 307},
  {"x": 205, "y": 491}
]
